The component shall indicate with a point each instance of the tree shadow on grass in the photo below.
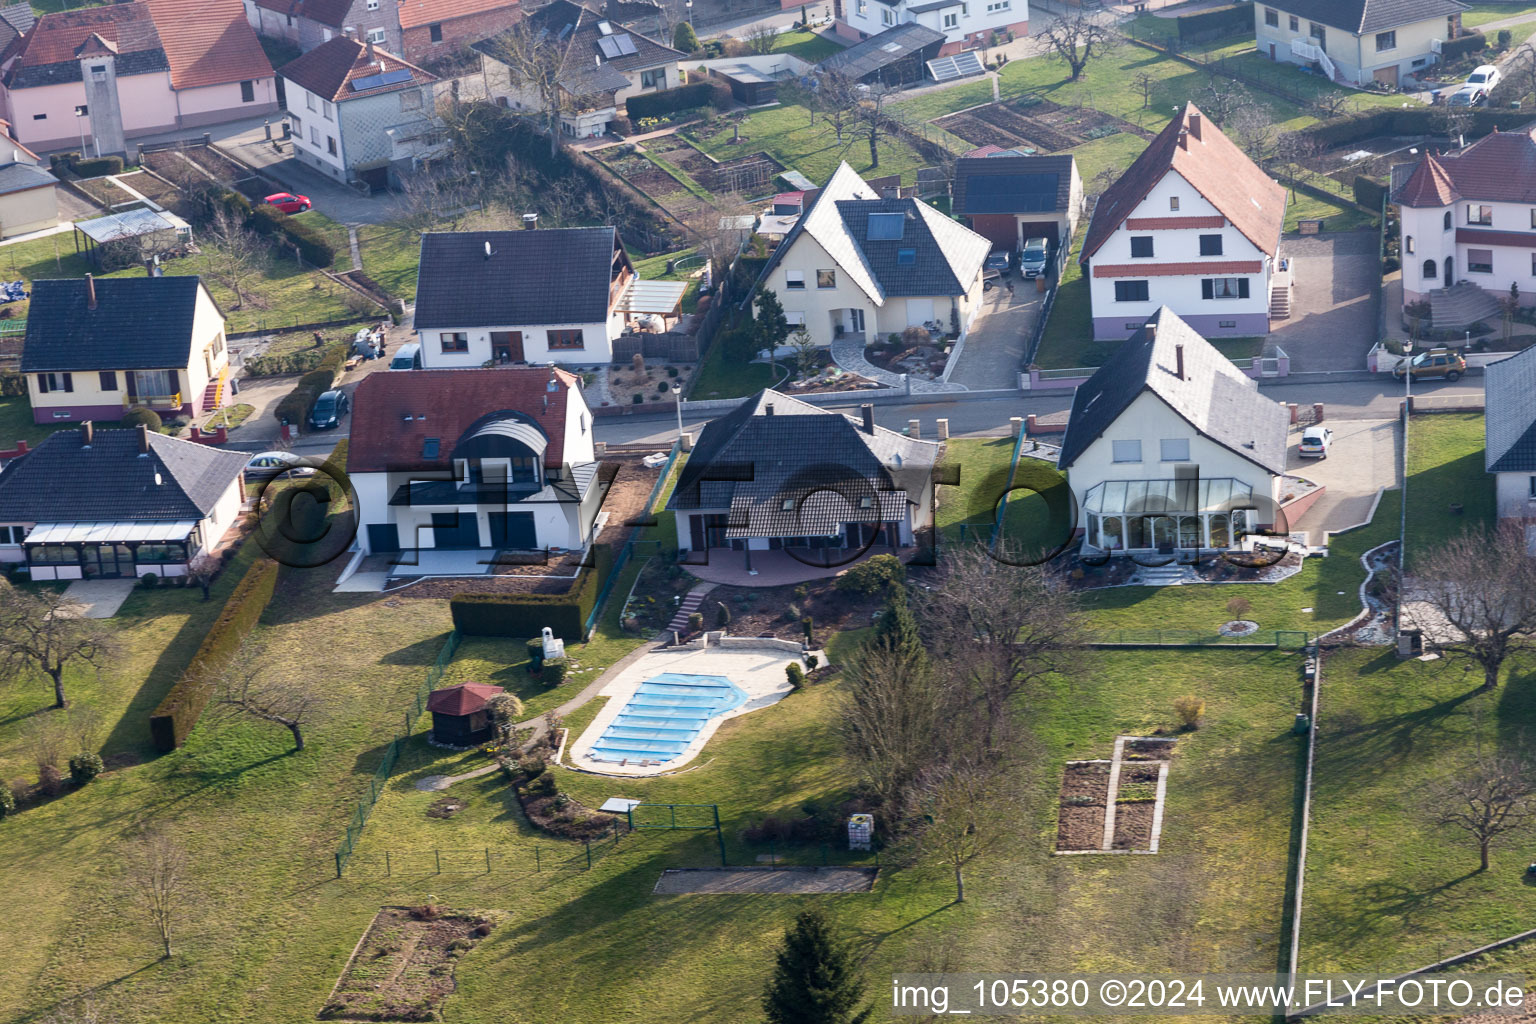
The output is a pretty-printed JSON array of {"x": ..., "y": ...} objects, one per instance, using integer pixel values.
[
  {"x": 1366, "y": 908},
  {"x": 1388, "y": 741},
  {"x": 422, "y": 652},
  {"x": 42, "y": 1012}
]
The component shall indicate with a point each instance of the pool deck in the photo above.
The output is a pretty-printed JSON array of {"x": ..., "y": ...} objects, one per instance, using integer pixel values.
[{"x": 758, "y": 672}]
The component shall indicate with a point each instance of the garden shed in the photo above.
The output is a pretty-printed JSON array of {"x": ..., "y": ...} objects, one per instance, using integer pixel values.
[{"x": 459, "y": 714}]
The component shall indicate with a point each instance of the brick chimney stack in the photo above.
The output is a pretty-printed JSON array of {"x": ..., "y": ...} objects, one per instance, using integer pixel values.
[
  {"x": 1194, "y": 124},
  {"x": 90, "y": 291}
]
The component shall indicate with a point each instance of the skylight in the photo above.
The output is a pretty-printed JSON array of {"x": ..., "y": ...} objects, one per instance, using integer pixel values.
[
  {"x": 431, "y": 447},
  {"x": 906, "y": 257},
  {"x": 886, "y": 226}
]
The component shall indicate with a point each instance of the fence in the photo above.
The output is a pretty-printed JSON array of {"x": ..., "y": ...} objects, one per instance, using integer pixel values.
[
  {"x": 392, "y": 752},
  {"x": 629, "y": 545},
  {"x": 1283, "y": 639},
  {"x": 1038, "y": 334},
  {"x": 483, "y": 860}
]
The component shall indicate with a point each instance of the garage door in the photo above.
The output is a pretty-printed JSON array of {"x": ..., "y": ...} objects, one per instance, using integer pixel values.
[
  {"x": 513, "y": 530},
  {"x": 919, "y": 312},
  {"x": 383, "y": 538},
  {"x": 1039, "y": 229},
  {"x": 455, "y": 530}
]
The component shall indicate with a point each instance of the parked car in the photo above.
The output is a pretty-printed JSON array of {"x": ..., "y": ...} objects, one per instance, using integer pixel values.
[
  {"x": 408, "y": 357},
  {"x": 1035, "y": 258},
  {"x": 1482, "y": 79},
  {"x": 274, "y": 464},
  {"x": 1315, "y": 442},
  {"x": 329, "y": 409},
  {"x": 288, "y": 202},
  {"x": 1435, "y": 362},
  {"x": 1467, "y": 97},
  {"x": 998, "y": 260}
]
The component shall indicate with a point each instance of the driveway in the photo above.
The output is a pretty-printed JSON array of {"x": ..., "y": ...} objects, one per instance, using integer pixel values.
[
  {"x": 1335, "y": 303},
  {"x": 1366, "y": 456},
  {"x": 994, "y": 349}
]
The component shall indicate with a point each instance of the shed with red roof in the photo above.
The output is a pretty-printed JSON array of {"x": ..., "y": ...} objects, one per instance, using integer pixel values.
[{"x": 461, "y": 715}]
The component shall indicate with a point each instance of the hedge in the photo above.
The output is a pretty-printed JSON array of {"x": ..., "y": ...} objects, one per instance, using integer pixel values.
[
  {"x": 94, "y": 167},
  {"x": 1399, "y": 121},
  {"x": 1369, "y": 193},
  {"x": 302, "y": 361},
  {"x": 172, "y": 721},
  {"x": 296, "y": 404},
  {"x": 669, "y": 101},
  {"x": 1472, "y": 42},
  {"x": 312, "y": 245},
  {"x": 524, "y": 615},
  {"x": 1218, "y": 21}
]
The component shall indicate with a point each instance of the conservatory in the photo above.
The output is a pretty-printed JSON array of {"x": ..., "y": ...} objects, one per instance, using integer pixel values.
[{"x": 1181, "y": 514}]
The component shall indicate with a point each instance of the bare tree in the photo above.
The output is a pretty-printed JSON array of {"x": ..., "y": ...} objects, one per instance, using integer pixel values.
[
  {"x": 1480, "y": 589},
  {"x": 762, "y": 36},
  {"x": 837, "y": 100},
  {"x": 158, "y": 882},
  {"x": 807, "y": 352},
  {"x": 1251, "y": 127},
  {"x": 1330, "y": 103},
  {"x": 1519, "y": 79},
  {"x": 202, "y": 570},
  {"x": 1293, "y": 150},
  {"x": 713, "y": 226},
  {"x": 46, "y": 741},
  {"x": 234, "y": 253},
  {"x": 1452, "y": 122},
  {"x": 43, "y": 632},
  {"x": 1144, "y": 82},
  {"x": 1220, "y": 98},
  {"x": 245, "y": 685},
  {"x": 1076, "y": 40},
  {"x": 1492, "y": 798},
  {"x": 973, "y": 806},
  {"x": 871, "y": 122},
  {"x": 547, "y": 68}
]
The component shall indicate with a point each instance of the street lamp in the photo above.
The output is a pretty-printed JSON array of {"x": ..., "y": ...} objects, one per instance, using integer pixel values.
[
  {"x": 677, "y": 389},
  {"x": 1402, "y": 526},
  {"x": 689, "y": 4}
]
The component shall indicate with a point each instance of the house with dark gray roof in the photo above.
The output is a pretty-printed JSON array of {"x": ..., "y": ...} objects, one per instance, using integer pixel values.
[
  {"x": 1357, "y": 42},
  {"x": 97, "y": 347},
  {"x": 1510, "y": 434},
  {"x": 859, "y": 264},
  {"x": 776, "y": 474},
  {"x": 91, "y": 503},
  {"x": 945, "y": 27},
  {"x": 1009, "y": 198},
  {"x": 488, "y": 298},
  {"x": 1170, "y": 448}
]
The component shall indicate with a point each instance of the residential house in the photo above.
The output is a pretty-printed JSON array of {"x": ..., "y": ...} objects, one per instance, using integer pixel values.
[
  {"x": 361, "y": 114},
  {"x": 29, "y": 193},
  {"x": 1510, "y": 436},
  {"x": 779, "y": 474},
  {"x": 422, "y": 31},
  {"x": 1170, "y": 448},
  {"x": 858, "y": 264},
  {"x": 92, "y": 503},
  {"x": 96, "y": 76},
  {"x": 1009, "y": 198},
  {"x": 14, "y": 23},
  {"x": 605, "y": 64},
  {"x": 473, "y": 460},
  {"x": 540, "y": 296},
  {"x": 1468, "y": 222},
  {"x": 1358, "y": 42},
  {"x": 1193, "y": 225},
  {"x": 96, "y": 347},
  {"x": 965, "y": 24}
]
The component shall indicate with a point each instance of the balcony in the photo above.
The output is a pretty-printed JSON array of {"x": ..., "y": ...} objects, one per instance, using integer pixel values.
[
  {"x": 421, "y": 493},
  {"x": 153, "y": 401}
]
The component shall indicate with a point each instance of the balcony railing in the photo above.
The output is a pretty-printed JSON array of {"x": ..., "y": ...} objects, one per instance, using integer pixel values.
[{"x": 153, "y": 401}]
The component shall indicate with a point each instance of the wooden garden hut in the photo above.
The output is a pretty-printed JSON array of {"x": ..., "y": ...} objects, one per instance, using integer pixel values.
[{"x": 459, "y": 714}]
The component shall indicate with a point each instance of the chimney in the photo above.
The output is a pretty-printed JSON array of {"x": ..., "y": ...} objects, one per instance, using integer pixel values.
[
  {"x": 90, "y": 292},
  {"x": 370, "y": 51},
  {"x": 143, "y": 439},
  {"x": 1194, "y": 124},
  {"x": 1184, "y": 139},
  {"x": 867, "y": 412},
  {"x": 768, "y": 409},
  {"x": 1178, "y": 361},
  {"x": 530, "y": 221},
  {"x": 87, "y": 433}
]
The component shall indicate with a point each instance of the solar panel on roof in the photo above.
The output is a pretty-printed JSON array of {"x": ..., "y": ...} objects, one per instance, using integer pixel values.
[
  {"x": 626, "y": 44},
  {"x": 608, "y": 46},
  {"x": 886, "y": 226},
  {"x": 1010, "y": 193},
  {"x": 961, "y": 65},
  {"x": 386, "y": 78}
]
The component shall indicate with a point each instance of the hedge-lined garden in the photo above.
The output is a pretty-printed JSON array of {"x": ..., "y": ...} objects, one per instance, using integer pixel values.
[
  {"x": 293, "y": 408},
  {"x": 524, "y": 615}
]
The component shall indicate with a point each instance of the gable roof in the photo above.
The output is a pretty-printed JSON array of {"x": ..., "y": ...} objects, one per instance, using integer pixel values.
[
  {"x": 882, "y": 49},
  {"x": 1216, "y": 398},
  {"x": 463, "y": 699},
  {"x": 1012, "y": 184},
  {"x": 1361, "y": 16},
  {"x": 139, "y": 323},
  {"x": 19, "y": 177},
  {"x": 822, "y": 222},
  {"x": 593, "y": 64},
  {"x": 326, "y": 12},
  {"x": 549, "y": 276},
  {"x": 450, "y": 405},
  {"x": 1196, "y": 149},
  {"x": 208, "y": 42},
  {"x": 1510, "y": 424},
  {"x": 62, "y": 480},
  {"x": 330, "y": 69},
  {"x": 415, "y": 13},
  {"x": 1500, "y": 167},
  {"x": 49, "y": 53}
]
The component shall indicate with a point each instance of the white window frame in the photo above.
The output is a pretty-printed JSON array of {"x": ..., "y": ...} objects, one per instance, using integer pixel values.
[
  {"x": 376, "y": 36},
  {"x": 1173, "y": 449},
  {"x": 1125, "y": 452},
  {"x": 794, "y": 280},
  {"x": 951, "y": 21},
  {"x": 998, "y": 6}
]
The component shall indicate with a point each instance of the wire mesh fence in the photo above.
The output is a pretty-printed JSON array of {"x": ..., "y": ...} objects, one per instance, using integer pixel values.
[
  {"x": 1284, "y": 639},
  {"x": 576, "y": 855}
]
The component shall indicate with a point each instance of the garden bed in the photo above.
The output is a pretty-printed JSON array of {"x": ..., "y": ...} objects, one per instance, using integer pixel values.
[
  {"x": 1047, "y": 127},
  {"x": 552, "y": 811},
  {"x": 1133, "y": 824},
  {"x": 922, "y": 361},
  {"x": 105, "y": 191},
  {"x": 403, "y": 968},
  {"x": 1084, "y": 792},
  {"x": 779, "y": 611}
]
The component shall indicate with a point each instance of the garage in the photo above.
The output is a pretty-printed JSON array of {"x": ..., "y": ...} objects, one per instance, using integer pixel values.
[
  {"x": 1039, "y": 229},
  {"x": 513, "y": 530},
  {"x": 919, "y": 312},
  {"x": 458, "y": 530}
]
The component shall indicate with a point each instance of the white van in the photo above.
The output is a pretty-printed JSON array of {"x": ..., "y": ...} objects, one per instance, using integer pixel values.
[{"x": 407, "y": 357}]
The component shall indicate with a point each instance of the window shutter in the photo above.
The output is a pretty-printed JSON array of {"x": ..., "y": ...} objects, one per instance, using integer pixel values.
[
  {"x": 69, "y": 382},
  {"x": 42, "y": 383},
  {"x": 1242, "y": 287},
  {"x": 1206, "y": 290}
]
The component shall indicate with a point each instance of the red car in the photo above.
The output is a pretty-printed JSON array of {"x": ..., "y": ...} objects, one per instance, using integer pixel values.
[{"x": 288, "y": 202}]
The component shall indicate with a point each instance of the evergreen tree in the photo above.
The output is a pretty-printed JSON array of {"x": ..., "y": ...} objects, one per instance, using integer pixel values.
[
  {"x": 815, "y": 978},
  {"x": 772, "y": 326},
  {"x": 896, "y": 629},
  {"x": 684, "y": 38}
]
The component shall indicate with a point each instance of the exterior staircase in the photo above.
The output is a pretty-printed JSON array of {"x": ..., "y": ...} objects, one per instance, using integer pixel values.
[
  {"x": 213, "y": 394},
  {"x": 687, "y": 606},
  {"x": 1280, "y": 301},
  {"x": 1461, "y": 306}
]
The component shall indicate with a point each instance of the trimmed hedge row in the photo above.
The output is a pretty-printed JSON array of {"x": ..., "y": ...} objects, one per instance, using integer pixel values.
[
  {"x": 669, "y": 101},
  {"x": 312, "y": 245},
  {"x": 296, "y": 404},
  {"x": 1216, "y": 21},
  {"x": 1400, "y": 121},
  {"x": 1473, "y": 42},
  {"x": 85, "y": 168},
  {"x": 1369, "y": 193},
  {"x": 172, "y": 721},
  {"x": 301, "y": 361},
  {"x": 524, "y": 615}
]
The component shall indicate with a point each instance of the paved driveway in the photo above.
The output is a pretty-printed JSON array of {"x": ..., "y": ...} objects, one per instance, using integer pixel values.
[
  {"x": 994, "y": 348},
  {"x": 1366, "y": 456},
  {"x": 1335, "y": 301}
]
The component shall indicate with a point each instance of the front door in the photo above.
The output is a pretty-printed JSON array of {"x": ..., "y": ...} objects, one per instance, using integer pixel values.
[
  {"x": 507, "y": 346},
  {"x": 106, "y": 561},
  {"x": 1271, "y": 53},
  {"x": 513, "y": 530},
  {"x": 1450, "y": 271}
]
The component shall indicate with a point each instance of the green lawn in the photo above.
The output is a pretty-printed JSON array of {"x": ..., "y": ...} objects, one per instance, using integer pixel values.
[
  {"x": 1445, "y": 465},
  {"x": 16, "y": 423},
  {"x": 1336, "y": 216},
  {"x": 391, "y": 254},
  {"x": 806, "y": 45},
  {"x": 785, "y": 133},
  {"x": 719, "y": 376},
  {"x": 335, "y": 232},
  {"x": 984, "y": 464},
  {"x": 1481, "y": 14}
]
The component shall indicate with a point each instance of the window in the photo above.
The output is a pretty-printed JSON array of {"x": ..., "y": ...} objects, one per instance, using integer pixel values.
[
  {"x": 435, "y": 32},
  {"x": 1533, "y": 486},
  {"x": 410, "y": 99},
  {"x": 457, "y": 341},
  {"x": 863, "y": 8},
  {"x": 999, "y": 5},
  {"x": 247, "y": 91},
  {"x": 1224, "y": 288},
  {"x": 1319, "y": 33},
  {"x": 13, "y": 534},
  {"x": 1133, "y": 325},
  {"x": 1126, "y": 451},
  {"x": 906, "y": 257},
  {"x": 787, "y": 505},
  {"x": 39, "y": 117},
  {"x": 1533, "y": 264},
  {"x": 1131, "y": 291},
  {"x": 298, "y": 126},
  {"x": 376, "y": 36},
  {"x": 82, "y": 110},
  {"x": 1271, "y": 18},
  {"x": 309, "y": 101},
  {"x": 1226, "y": 324},
  {"x": 794, "y": 280},
  {"x": 1295, "y": 24},
  {"x": 1141, "y": 246},
  {"x": 1479, "y": 214},
  {"x": 1173, "y": 203},
  {"x": 795, "y": 317},
  {"x": 314, "y": 136},
  {"x": 47, "y": 382},
  {"x": 566, "y": 339},
  {"x": 951, "y": 21},
  {"x": 373, "y": 5},
  {"x": 1173, "y": 449},
  {"x": 330, "y": 145},
  {"x": 99, "y": 72},
  {"x": 1407, "y": 243},
  {"x": 107, "y": 380},
  {"x": 655, "y": 78},
  {"x": 1431, "y": 270},
  {"x": 1386, "y": 41},
  {"x": 1479, "y": 261},
  {"x": 965, "y": 10},
  {"x": 887, "y": 16},
  {"x": 826, "y": 279},
  {"x": 1210, "y": 245},
  {"x": 325, "y": 109},
  {"x": 1533, "y": 216}
]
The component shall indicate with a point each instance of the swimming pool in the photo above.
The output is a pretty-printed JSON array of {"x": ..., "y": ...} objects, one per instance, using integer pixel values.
[{"x": 665, "y": 714}]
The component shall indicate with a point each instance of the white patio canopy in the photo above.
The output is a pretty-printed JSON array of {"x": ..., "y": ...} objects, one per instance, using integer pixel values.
[
  {"x": 653, "y": 297},
  {"x": 110, "y": 533}
]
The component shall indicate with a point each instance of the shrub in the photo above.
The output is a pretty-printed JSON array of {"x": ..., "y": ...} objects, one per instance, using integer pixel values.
[
  {"x": 293, "y": 408},
  {"x": 684, "y": 38},
  {"x": 1472, "y": 42},
  {"x": 795, "y": 674},
  {"x": 301, "y": 361},
  {"x": 542, "y": 784},
  {"x": 1504, "y": 38},
  {"x": 149, "y": 580},
  {"x": 695, "y": 622},
  {"x": 140, "y": 416},
  {"x": 1239, "y": 607},
  {"x": 811, "y": 661},
  {"x": 671, "y": 371},
  {"x": 50, "y": 781},
  {"x": 519, "y": 615},
  {"x": 663, "y": 387},
  {"x": 533, "y": 767},
  {"x": 873, "y": 575},
  {"x": 669, "y": 101},
  {"x": 554, "y": 672},
  {"x": 722, "y": 615},
  {"x": 1369, "y": 193},
  {"x": 638, "y": 399},
  {"x": 482, "y": 930},
  {"x": 1190, "y": 710},
  {"x": 84, "y": 767},
  {"x": 535, "y": 651},
  {"x": 312, "y": 245}
]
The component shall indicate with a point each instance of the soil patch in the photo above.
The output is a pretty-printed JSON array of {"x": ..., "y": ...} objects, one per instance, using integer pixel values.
[
  {"x": 403, "y": 970},
  {"x": 1133, "y": 825},
  {"x": 446, "y": 807},
  {"x": 780, "y": 611},
  {"x": 1084, "y": 790},
  {"x": 1032, "y": 123},
  {"x": 681, "y": 881},
  {"x": 552, "y": 811}
]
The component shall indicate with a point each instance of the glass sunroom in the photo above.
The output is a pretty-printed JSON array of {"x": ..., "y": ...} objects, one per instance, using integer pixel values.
[{"x": 1165, "y": 516}]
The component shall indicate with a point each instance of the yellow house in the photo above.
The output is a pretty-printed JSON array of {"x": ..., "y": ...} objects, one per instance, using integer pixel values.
[
  {"x": 97, "y": 347},
  {"x": 1358, "y": 41}
]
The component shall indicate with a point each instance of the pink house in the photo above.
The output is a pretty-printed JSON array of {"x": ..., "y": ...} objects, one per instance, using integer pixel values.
[{"x": 92, "y": 78}]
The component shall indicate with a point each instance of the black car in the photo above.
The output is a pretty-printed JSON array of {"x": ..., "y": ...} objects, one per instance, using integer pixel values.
[{"x": 329, "y": 409}]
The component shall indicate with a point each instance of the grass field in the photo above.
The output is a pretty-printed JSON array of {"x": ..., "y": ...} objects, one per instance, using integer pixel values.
[
  {"x": 720, "y": 376},
  {"x": 984, "y": 469},
  {"x": 785, "y": 133},
  {"x": 390, "y": 256},
  {"x": 805, "y": 45},
  {"x": 1445, "y": 465}
]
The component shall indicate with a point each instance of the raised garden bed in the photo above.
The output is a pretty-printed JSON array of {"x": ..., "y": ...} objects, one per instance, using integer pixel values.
[
  {"x": 1084, "y": 790},
  {"x": 105, "y": 191},
  {"x": 1047, "y": 127},
  {"x": 403, "y": 968},
  {"x": 550, "y": 810}
]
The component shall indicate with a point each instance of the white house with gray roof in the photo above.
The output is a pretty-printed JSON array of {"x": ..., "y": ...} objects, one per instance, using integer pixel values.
[
  {"x": 1172, "y": 449},
  {"x": 1358, "y": 42},
  {"x": 1510, "y": 435},
  {"x": 859, "y": 264}
]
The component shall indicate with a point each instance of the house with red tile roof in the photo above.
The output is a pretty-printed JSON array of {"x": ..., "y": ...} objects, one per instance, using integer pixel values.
[
  {"x": 107, "y": 74},
  {"x": 487, "y": 460},
  {"x": 422, "y": 31},
  {"x": 1193, "y": 225},
  {"x": 1469, "y": 227}
]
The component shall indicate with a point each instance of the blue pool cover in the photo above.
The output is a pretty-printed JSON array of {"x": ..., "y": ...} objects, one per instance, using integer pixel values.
[{"x": 665, "y": 714}]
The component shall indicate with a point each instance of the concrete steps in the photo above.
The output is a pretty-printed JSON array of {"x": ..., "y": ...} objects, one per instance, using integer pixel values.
[
  {"x": 687, "y": 606},
  {"x": 1280, "y": 302},
  {"x": 1461, "y": 306}
]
